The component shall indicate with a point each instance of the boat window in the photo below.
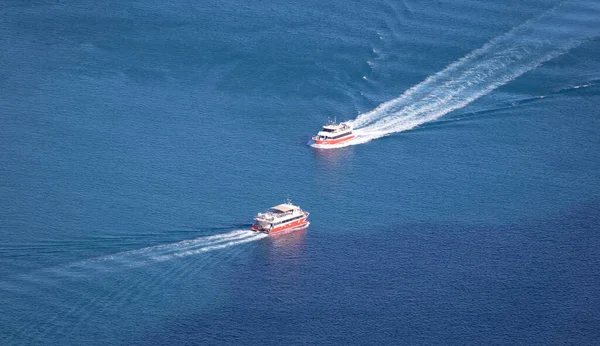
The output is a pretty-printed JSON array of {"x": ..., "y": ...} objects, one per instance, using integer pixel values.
[
  {"x": 288, "y": 220},
  {"x": 328, "y": 130},
  {"x": 340, "y": 135}
]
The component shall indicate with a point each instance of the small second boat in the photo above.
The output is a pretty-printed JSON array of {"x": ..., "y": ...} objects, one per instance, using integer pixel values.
[
  {"x": 334, "y": 133},
  {"x": 283, "y": 217}
]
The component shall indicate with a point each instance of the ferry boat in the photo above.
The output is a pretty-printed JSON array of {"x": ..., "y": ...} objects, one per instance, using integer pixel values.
[
  {"x": 334, "y": 133},
  {"x": 283, "y": 217}
]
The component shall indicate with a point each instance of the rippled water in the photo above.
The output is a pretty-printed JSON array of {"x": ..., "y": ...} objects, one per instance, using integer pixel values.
[{"x": 138, "y": 139}]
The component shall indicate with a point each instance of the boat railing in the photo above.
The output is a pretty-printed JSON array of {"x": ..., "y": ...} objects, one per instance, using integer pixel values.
[
  {"x": 341, "y": 127},
  {"x": 272, "y": 216}
]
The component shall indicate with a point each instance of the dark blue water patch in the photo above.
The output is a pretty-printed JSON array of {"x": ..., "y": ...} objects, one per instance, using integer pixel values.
[{"x": 531, "y": 282}]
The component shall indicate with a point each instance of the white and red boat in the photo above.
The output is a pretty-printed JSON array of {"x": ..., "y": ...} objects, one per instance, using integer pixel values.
[
  {"x": 283, "y": 217},
  {"x": 334, "y": 133}
]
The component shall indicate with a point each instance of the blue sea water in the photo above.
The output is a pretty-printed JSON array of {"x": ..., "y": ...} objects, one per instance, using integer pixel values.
[{"x": 139, "y": 138}]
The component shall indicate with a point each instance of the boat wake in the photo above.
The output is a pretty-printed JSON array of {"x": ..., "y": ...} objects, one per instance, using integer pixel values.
[
  {"x": 160, "y": 253},
  {"x": 77, "y": 292},
  {"x": 498, "y": 62}
]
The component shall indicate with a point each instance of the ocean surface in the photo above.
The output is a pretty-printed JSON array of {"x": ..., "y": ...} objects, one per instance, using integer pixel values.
[{"x": 139, "y": 138}]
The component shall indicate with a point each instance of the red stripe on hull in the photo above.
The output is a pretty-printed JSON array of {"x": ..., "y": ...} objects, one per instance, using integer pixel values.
[
  {"x": 291, "y": 225},
  {"x": 298, "y": 224},
  {"x": 333, "y": 141}
]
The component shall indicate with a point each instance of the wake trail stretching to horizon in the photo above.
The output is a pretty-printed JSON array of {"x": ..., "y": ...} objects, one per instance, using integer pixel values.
[{"x": 498, "y": 62}]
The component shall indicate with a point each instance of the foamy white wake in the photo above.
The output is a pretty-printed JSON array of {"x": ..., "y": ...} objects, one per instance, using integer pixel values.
[
  {"x": 499, "y": 61},
  {"x": 159, "y": 253},
  {"x": 70, "y": 303}
]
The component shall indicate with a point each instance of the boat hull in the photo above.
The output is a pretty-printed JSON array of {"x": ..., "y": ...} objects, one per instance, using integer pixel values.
[
  {"x": 290, "y": 229},
  {"x": 292, "y": 226},
  {"x": 333, "y": 141}
]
